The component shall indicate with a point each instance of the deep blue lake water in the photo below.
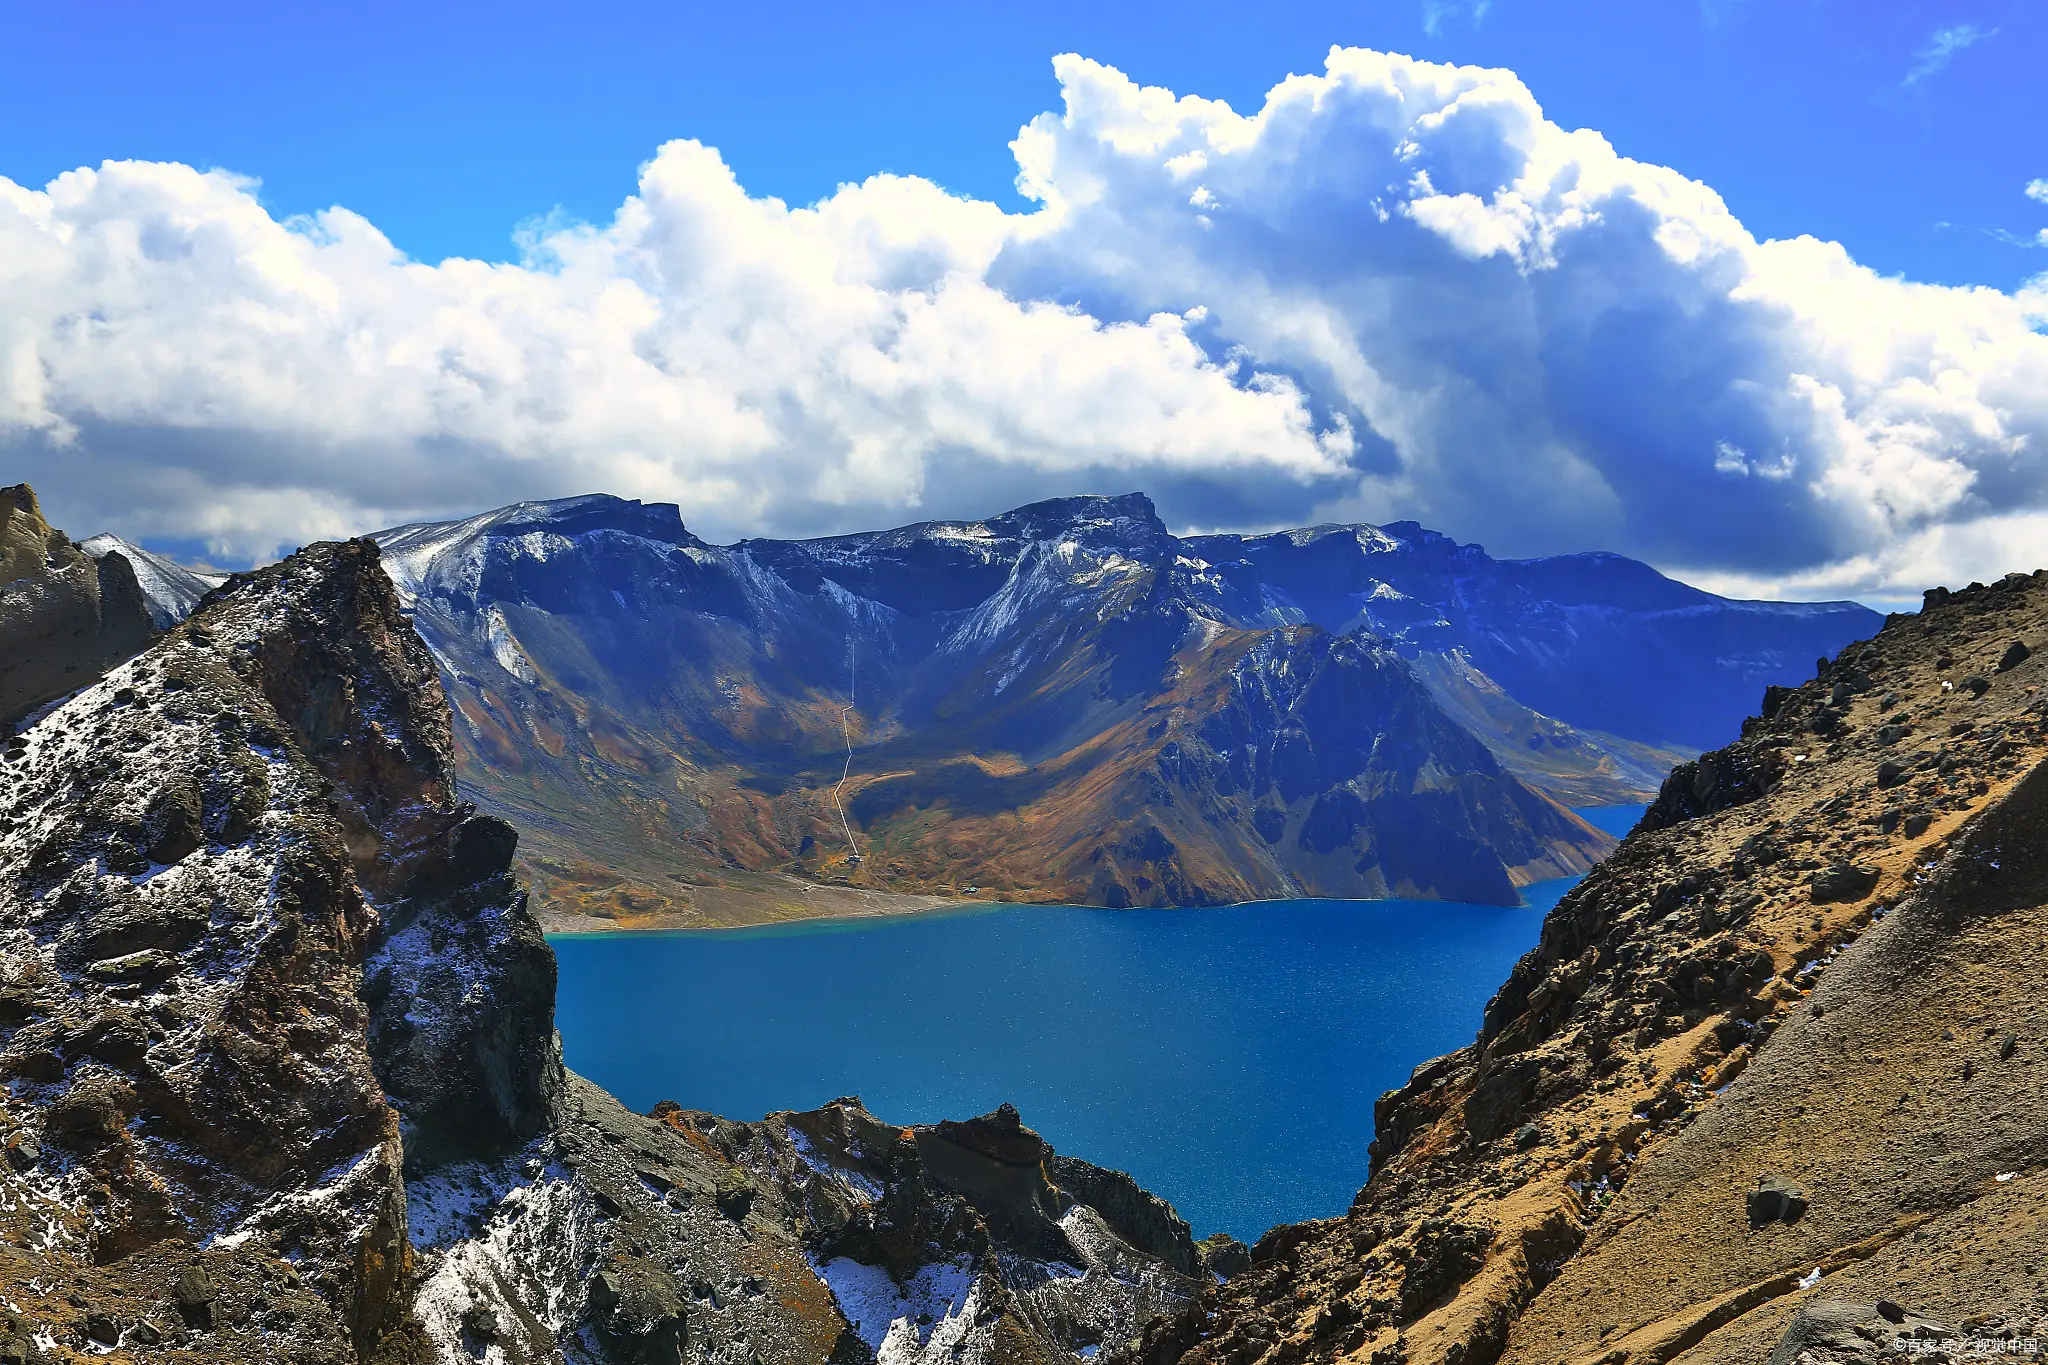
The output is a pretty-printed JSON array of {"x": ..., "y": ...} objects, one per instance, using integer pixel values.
[
  {"x": 1227, "y": 1058},
  {"x": 1615, "y": 820}
]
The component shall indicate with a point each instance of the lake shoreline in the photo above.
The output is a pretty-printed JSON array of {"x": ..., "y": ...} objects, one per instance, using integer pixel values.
[
  {"x": 763, "y": 900},
  {"x": 840, "y": 922}
]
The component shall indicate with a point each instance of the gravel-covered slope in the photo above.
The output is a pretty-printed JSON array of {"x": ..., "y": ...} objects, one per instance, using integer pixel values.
[
  {"x": 1775, "y": 1060},
  {"x": 281, "y": 1079}
]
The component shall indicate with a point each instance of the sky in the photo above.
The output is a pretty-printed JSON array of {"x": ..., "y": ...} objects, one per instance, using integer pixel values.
[{"x": 1747, "y": 290}]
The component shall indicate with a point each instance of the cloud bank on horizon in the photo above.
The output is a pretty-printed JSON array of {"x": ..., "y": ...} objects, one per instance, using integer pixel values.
[{"x": 1397, "y": 290}]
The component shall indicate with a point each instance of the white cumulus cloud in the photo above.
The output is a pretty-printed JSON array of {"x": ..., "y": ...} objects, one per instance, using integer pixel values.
[{"x": 1396, "y": 289}]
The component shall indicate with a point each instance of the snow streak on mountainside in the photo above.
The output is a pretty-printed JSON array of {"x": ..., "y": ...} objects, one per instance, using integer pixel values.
[{"x": 1063, "y": 702}]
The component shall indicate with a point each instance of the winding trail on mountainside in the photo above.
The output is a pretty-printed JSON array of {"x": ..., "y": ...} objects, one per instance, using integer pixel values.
[{"x": 846, "y": 733}]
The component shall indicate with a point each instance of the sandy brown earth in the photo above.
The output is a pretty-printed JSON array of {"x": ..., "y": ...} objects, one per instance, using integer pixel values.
[
  {"x": 1817, "y": 969},
  {"x": 577, "y": 898}
]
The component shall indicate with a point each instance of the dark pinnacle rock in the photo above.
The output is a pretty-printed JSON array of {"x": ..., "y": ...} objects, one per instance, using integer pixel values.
[{"x": 1223, "y": 1255}]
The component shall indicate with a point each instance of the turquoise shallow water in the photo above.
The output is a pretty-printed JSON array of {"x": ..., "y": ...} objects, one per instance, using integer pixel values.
[{"x": 1228, "y": 1058}]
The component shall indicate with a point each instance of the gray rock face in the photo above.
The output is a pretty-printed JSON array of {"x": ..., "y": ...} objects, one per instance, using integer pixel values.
[
  {"x": 169, "y": 589},
  {"x": 65, "y": 617},
  {"x": 855, "y": 1240},
  {"x": 1843, "y": 1332},
  {"x": 182, "y": 928}
]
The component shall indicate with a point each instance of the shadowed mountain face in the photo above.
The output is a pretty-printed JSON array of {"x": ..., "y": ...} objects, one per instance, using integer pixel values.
[
  {"x": 1594, "y": 640},
  {"x": 1064, "y": 702},
  {"x": 66, "y": 616}
]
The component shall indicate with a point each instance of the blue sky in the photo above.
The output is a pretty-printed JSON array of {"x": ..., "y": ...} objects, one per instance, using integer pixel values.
[
  {"x": 1906, "y": 131},
  {"x": 1755, "y": 291}
]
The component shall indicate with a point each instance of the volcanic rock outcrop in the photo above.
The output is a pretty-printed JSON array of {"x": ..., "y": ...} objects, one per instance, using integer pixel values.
[
  {"x": 170, "y": 589},
  {"x": 1063, "y": 703},
  {"x": 281, "y": 1079},
  {"x": 1771, "y": 1088},
  {"x": 65, "y": 616}
]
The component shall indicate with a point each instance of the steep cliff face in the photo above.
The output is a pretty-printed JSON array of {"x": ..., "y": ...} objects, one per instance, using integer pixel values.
[
  {"x": 1049, "y": 705},
  {"x": 194, "y": 1108},
  {"x": 1769, "y": 1088},
  {"x": 65, "y": 616},
  {"x": 281, "y": 1073},
  {"x": 170, "y": 590}
]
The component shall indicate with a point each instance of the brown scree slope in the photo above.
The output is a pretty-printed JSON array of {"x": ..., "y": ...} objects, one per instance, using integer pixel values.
[{"x": 1814, "y": 971}]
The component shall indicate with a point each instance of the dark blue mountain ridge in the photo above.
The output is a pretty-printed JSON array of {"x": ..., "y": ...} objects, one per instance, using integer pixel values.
[
  {"x": 1595, "y": 639},
  {"x": 1064, "y": 701}
]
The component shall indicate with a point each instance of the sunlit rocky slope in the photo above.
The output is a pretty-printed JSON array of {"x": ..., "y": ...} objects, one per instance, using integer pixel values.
[
  {"x": 1771, "y": 1088},
  {"x": 1061, "y": 703},
  {"x": 281, "y": 1081}
]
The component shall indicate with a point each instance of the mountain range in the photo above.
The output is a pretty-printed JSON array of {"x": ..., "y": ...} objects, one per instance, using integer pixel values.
[
  {"x": 1065, "y": 702},
  {"x": 281, "y": 1077}
]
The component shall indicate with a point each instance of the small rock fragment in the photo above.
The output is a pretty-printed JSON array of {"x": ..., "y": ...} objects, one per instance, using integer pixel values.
[
  {"x": 1844, "y": 882},
  {"x": 193, "y": 1296},
  {"x": 1775, "y": 1200}
]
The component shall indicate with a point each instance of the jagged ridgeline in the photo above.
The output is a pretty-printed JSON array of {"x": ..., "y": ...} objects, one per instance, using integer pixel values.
[
  {"x": 1772, "y": 1088},
  {"x": 281, "y": 1081},
  {"x": 1062, "y": 703}
]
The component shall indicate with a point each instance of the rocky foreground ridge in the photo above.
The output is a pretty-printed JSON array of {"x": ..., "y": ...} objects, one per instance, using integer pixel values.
[
  {"x": 1774, "y": 1085},
  {"x": 281, "y": 1080}
]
